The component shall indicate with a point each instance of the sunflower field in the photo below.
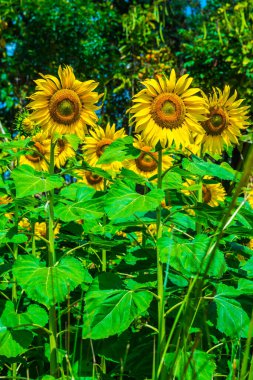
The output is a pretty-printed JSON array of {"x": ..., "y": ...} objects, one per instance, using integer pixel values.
[{"x": 126, "y": 190}]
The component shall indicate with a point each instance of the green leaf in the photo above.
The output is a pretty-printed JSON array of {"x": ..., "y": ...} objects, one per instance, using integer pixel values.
[
  {"x": 232, "y": 320},
  {"x": 248, "y": 267},
  {"x": 84, "y": 206},
  {"x": 73, "y": 140},
  {"x": 132, "y": 176},
  {"x": 30, "y": 182},
  {"x": 200, "y": 365},
  {"x": 70, "y": 191},
  {"x": 189, "y": 256},
  {"x": 172, "y": 180},
  {"x": 119, "y": 150},
  {"x": 123, "y": 201},
  {"x": 15, "y": 144},
  {"x": 202, "y": 168},
  {"x": 69, "y": 211},
  {"x": 49, "y": 285},
  {"x": 245, "y": 287},
  {"x": 110, "y": 309},
  {"x": 34, "y": 314},
  {"x": 14, "y": 342}
]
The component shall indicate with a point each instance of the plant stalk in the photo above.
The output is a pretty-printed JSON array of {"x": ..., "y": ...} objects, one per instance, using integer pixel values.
[
  {"x": 160, "y": 283},
  {"x": 51, "y": 263}
]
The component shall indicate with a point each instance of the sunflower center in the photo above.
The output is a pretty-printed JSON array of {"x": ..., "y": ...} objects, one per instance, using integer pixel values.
[
  {"x": 146, "y": 162},
  {"x": 93, "y": 179},
  {"x": 206, "y": 194},
  {"x": 168, "y": 110},
  {"x": 65, "y": 106},
  {"x": 36, "y": 156},
  {"x": 101, "y": 146},
  {"x": 217, "y": 123}
]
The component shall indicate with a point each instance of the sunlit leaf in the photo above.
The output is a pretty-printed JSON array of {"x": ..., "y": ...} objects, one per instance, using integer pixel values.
[
  {"x": 48, "y": 285},
  {"x": 119, "y": 150},
  {"x": 197, "y": 365},
  {"x": 232, "y": 320},
  {"x": 189, "y": 256},
  {"x": 110, "y": 309},
  {"x": 30, "y": 182},
  {"x": 203, "y": 168},
  {"x": 122, "y": 200}
]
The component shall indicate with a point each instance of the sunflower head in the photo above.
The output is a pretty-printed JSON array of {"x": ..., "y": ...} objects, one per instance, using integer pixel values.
[
  {"x": 63, "y": 151},
  {"x": 147, "y": 162},
  {"x": 96, "y": 143},
  {"x": 90, "y": 179},
  {"x": 225, "y": 120},
  {"x": 212, "y": 193},
  {"x": 167, "y": 111},
  {"x": 65, "y": 105},
  {"x": 39, "y": 155}
]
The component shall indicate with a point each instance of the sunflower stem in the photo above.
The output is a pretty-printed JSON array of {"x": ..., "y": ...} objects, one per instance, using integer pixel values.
[
  {"x": 160, "y": 284},
  {"x": 199, "y": 200},
  {"x": 51, "y": 262},
  {"x": 14, "y": 286}
]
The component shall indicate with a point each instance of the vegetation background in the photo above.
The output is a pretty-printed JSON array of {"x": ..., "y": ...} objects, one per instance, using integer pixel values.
[{"x": 120, "y": 43}]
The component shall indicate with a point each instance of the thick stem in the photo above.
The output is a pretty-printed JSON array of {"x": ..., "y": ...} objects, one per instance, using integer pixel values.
[
  {"x": 200, "y": 200},
  {"x": 160, "y": 284},
  {"x": 14, "y": 285},
  {"x": 51, "y": 263}
]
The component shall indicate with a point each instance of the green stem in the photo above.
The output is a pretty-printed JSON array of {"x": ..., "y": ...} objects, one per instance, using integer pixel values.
[
  {"x": 51, "y": 263},
  {"x": 104, "y": 266},
  {"x": 200, "y": 200},
  {"x": 14, "y": 285},
  {"x": 160, "y": 285}
]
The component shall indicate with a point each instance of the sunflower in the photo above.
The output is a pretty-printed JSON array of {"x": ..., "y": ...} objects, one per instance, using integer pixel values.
[
  {"x": 40, "y": 230},
  {"x": 66, "y": 105},
  {"x": 212, "y": 193},
  {"x": 63, "y": 151},
  {"x": 250, "y": 244},
  {"x": 90, "y": 179},
  {"x": 98, "y": 141},
  {"x": 167, "y": 110},
  {"x": 225, "y": 119},
  {"x": 5, "y": 199},
  {"x": 40, "y": 155},
  {"x": 24, "y": 224},
  {"x": 147, "y": 162},
  {"x": 27, "y": 125}
]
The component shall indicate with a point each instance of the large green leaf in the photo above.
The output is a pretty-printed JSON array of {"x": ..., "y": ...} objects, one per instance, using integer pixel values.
[
  {"x": 69, "y": 211},
  {"x": 119, "y": 150},
  {"x": 110, "y": 309},
  {"x": 49, "y": 285},
  {"x": 232, "y": 320},
  {"x": 172, "y": 180},
  {"x": 123, "y": 201},
  {"x": 29, "y": 182},
  {"x": 188, "y": 366},
  {"x": 34, "y": 314},
  {"x": 84, "y": 206},
  {"x": 14, "y": 340},
  {"x": 197, "y": 166},
  {"x": 15, "y": 144},
  {"x": 189, "y": 256},
  {"x": 70, "y": 191}
]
